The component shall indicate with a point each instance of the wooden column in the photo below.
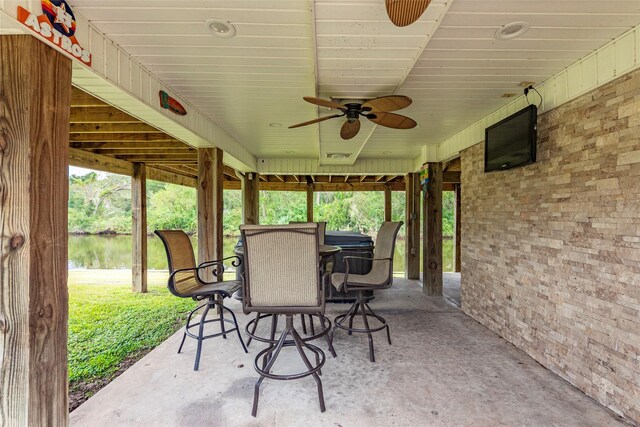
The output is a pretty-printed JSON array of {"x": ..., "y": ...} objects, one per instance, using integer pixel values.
[
  {"x": 139, "y": 227},
  {"x": 387, "y": 203},
  {"x": 458, "y": 215},
  {"x": 412, "y": 219},
  {"x": 432, "y": 234},
  {"x": 309, "y": 202},
  {"x": 209, "y": 204},
  {"x": 35, "y": 96},
  {"x": 251, "y": 198}
]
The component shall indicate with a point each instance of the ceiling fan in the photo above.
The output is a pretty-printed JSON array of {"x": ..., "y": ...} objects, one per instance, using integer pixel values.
[
  {"x": 405, "y": 12},
  {"x": 376, "y": 110}
]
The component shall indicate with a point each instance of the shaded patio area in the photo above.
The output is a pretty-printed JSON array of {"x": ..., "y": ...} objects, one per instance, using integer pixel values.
[{"x": 442, "y": 369}]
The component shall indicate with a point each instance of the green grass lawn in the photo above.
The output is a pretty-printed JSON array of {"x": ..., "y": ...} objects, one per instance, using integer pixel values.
[{"x": 109, "y": 324}]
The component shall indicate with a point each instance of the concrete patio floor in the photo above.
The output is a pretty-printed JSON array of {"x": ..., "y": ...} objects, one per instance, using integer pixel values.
[{"x": 442, "y": 369}]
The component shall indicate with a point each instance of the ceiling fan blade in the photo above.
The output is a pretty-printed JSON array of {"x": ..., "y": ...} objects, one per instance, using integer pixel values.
[
  {"x": 323, "y": 102},
  {"x": 405, "y": 12},
  {"x": 388, "y": 103},
  {"x": 310, "y": 122},
  {"x": 391, "y": 120},
  {"x": 350, "y": 129}
]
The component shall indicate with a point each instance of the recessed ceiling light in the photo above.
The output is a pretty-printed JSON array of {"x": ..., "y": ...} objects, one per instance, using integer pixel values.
[
  {"x": 220, "y": 28},
  {"x": 275, "y": 125},
  {"x": 512, "y": 30},
  {"x": 338, "y": 155}
]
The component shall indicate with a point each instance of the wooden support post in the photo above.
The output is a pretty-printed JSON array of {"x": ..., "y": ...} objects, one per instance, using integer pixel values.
[
  {"x": 139, "y": 227},
  {"x": 458, "y": 235},
  {"x": 251, "y": 198},
  {"x": 209, "y": 205},
  {"x": 387, "y": 203},
  {"x": 35, "y": 97},
  {"x": 432, "y": 234},
  {"x": 309, "y": 202},
  {"x": 412, "y": 219}
]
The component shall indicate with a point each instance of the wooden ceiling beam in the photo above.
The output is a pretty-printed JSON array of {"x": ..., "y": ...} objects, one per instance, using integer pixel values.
[
  {"x": 451, "y": 177},
  {"x": 177, "y": 170},
  {"x": 80, "y": 98},
  {"x": 124, "y": 137},
  {"x": 141, "y": 152},
  {"x": 95, "y": 145},
  {"x": 100, "y": 115},
  {"x": 379, "y": 178},
  {"x": 362, "y": 178},
  {"x": 160, "y": 161},
  {"x": 112, "y": 128},
  {"x": 335, "y": 186}
]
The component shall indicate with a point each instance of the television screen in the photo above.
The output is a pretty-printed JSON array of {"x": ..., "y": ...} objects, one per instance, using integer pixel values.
[{"x": 511, "y": 142}]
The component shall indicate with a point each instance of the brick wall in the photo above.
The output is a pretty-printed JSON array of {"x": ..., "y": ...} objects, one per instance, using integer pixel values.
[{"x": 551, "y": 251}]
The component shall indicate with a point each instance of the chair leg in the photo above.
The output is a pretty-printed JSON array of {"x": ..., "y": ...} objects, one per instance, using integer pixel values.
[
  {"x": 313, "y": 331},
  {"x": 304, "y": 324},
  {"x": 362, "y": 308},
  {"x": 200, "y": 333},
  {"x": 328, "y": 338},
  {"x": 219, "y": 303},
  {"x": 185, "y": 330},
  {"x": 381, "y": 319},
  {"x": 366, "y": 326},
  {"x": 355, "y": 313},
  {"x": 299, "y": 345},
  {"x": 255, "y": 325},
  {"x": 272, "y": 338},
  {"x": 235, "y": 322},
  {"x": 272, "y": 358}
]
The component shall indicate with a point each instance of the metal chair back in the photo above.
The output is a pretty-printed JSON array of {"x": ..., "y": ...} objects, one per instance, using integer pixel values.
[{"x": 282, "y": 269}]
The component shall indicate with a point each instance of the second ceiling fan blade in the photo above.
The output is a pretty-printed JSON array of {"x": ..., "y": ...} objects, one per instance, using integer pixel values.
[
  {"x": 323, "y": 102},
  {"x": 391, "y": 120},
  {"x": 350, "y": 129},
  {"x": 310, "y": 122},
  {"x": 388, "y": 103}
]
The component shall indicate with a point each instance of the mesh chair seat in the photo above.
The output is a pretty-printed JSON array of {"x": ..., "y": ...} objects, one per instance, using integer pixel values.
[
  {"x": 368, "y": 281},
  {"x": 226, "y": 289}
]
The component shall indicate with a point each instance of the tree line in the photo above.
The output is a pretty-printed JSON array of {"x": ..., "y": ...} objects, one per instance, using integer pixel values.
[{"x": 101, "y": 203}]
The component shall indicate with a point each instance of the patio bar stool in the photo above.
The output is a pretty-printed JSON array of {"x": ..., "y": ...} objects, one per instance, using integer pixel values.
[
  {"x": 282, "y": 277},
  {"x": 380, "y": 277},
  {"x": 326, "y": 268},
  {"x": 185, "y": 281}
]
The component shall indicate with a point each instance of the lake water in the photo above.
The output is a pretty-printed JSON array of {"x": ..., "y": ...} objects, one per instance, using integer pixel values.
[{"x": 114, "y": 252}]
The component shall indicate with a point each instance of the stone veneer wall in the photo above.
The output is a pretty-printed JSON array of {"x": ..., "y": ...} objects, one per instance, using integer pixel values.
[{"x": 551, "y": 251}]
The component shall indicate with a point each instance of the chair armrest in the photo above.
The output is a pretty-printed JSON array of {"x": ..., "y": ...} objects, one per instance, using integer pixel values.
[{"x": 236, "y": 262}]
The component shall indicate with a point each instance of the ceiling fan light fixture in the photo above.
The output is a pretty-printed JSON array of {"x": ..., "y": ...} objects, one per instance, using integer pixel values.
[
  {"x": 220, "y": 28},
  {"x": 512, "y": 30},
  {"x": 337, "y": 156}
]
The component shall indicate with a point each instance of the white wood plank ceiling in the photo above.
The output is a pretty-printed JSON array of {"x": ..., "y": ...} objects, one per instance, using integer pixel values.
[{"x": 448, "y": 62}]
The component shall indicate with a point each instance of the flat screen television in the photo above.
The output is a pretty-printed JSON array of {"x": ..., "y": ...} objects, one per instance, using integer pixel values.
[{"x": 511, "y": 142}]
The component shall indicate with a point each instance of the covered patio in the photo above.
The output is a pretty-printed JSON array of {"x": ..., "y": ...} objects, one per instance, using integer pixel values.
[
  {"x": 443, "y": 368},
  {"x": 540, "y": 327}
]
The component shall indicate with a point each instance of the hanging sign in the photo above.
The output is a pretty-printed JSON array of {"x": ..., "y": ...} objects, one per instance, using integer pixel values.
[
  {"x": 424, "y": 175},
  {"x": 58, "y": 25},
  {"x": 171, "y": 104}
]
